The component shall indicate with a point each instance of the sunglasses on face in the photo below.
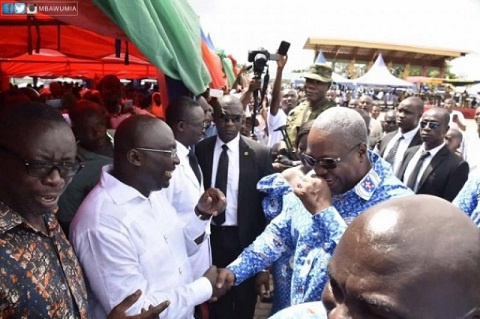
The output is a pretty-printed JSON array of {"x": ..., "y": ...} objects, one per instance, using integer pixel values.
[
  {"x": 328, "y": 163},
  {"x": 226, "y": 117},
  {"x": 172, "y": 153},
  {"x": 431, "y": 125},
  {"x": 391, "y": 122},
  {"x": 41, "y": 169}
]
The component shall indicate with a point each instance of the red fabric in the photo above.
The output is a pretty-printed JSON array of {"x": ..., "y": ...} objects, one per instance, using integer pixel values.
[{"x": 214, "y": 66}]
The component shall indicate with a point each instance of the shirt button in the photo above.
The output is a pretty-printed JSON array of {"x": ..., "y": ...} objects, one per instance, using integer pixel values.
[
  {"x": 166, "y": 238},
  {"x": 180, "y": 270}
]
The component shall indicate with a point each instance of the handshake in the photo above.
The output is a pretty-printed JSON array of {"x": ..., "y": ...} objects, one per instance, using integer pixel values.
[{"x": 221, "y": 280}]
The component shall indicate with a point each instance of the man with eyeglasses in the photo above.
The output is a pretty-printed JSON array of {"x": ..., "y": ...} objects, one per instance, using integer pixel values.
[
  {"x": 394, "y": 144},
  {"x": 389, "y": 123},
  {"x": 41, "y": 276},
  {"x": 345, "y": 180},
  {"x": 234, "y": 164},
  {"x": 128, "y": 236},
  {"x": 431, "y": 168},
  {"x": 187, "y": 120}
]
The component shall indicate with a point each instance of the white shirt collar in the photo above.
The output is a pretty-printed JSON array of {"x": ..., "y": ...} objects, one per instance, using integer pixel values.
[
  {"x": 119, "y": 192},
  {"x": 434, "y": 150},
  {"x": 233, "y": 145},
  {"x": 410, "y": 134},
  {"x": 182, "y": 150}
]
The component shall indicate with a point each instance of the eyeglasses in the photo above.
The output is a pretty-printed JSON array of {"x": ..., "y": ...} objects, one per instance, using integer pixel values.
[
  {"x": 431, "y": 125},
  {"x": 233, "y": 118},
  {"x": 172, "y": 152},
  {"x": 43, "y": 169},
  {"x": 325, "y": 162}
]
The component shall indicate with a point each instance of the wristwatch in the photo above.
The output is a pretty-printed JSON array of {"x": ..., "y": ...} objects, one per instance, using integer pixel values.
[{"x": 201, "y": 215}]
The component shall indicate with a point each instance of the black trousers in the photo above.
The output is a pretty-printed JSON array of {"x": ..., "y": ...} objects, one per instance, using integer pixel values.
[{"x": 240, "y": 301}]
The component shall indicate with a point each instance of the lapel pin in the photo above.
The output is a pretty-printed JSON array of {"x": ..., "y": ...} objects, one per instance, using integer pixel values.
[{"x": 245, "y": 153}]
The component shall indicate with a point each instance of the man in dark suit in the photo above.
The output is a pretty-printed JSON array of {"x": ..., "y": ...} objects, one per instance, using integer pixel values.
[
  {"x": 234, "y": 164},
  {"x": 393, "y": 145},
  {"x": 431, "y": 168}
]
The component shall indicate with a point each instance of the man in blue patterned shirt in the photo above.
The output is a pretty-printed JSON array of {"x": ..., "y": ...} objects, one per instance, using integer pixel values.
[
  {"x": 468, "y": 200},
  {"x": 346, "y": 179}
]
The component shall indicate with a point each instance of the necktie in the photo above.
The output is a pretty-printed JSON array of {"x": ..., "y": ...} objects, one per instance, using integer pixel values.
[
  {"x": 192, "y": 159},
  {"x": 413, "y": 177},
  {"x": 221, "y": 181},
  {"x": 393, "y": 151}
]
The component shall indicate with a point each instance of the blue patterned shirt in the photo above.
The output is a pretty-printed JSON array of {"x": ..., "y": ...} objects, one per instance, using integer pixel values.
[
  {"x": 469, "y": 198},
  {"x": 276, "y": 187},
  {"x": 314, "y": 238}
]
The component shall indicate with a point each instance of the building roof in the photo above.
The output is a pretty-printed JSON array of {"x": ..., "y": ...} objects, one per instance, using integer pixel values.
[{"x": 367, "y": 51}]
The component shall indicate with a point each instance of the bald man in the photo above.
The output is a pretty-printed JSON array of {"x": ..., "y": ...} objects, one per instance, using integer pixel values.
[
  {"x": 393, "y": 145},
  {"x": 411, "y": 259},
  {"x": 453, "y": 140},
  {"x": 431, "y": 168},
  {"x": 387, "y": 266},
  {"x": 127, "y": 235}
]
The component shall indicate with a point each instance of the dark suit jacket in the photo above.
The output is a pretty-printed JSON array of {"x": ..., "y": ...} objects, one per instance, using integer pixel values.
[
  {"x": 382, "y": 145},
  {"x": 443, "y": 177},
  {"x": 255, "y": 163}
]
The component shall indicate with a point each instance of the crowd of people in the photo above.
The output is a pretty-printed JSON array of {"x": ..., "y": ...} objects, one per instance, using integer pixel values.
[{"x": 114, "y": 205}]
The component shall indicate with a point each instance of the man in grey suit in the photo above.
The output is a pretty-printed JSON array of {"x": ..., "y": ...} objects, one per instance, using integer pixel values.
[
  {"x": 431, "y": 168},
  {"x": 394, "y": 144},
  {"x": 234, "y": 164}
]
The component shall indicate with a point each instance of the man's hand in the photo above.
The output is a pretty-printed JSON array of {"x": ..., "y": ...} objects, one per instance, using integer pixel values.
[
  {"x": 225, "y": 278},
  {"x": 119, "y": 311},
  {"x": 212, "y": 202},
  {"x": 255, "y": 84},
  {"x": 314, "y": 194},
  {"x": 262, "y": 284},
  {"x": 282, "y": 60},
  {"x": 212, "y": 275}
]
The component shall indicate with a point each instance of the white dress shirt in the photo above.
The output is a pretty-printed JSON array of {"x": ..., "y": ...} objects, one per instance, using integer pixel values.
[
  {"x": 183, "y": 193},
  {"x": 232, "y": 179},
  {"x": 274, "y": 122},
  {"x": 426, "y": 162},
  {"x": 471, "y": 151},
  {"x": 402, "y": 147},
  {"x": 126, "y": 241}
]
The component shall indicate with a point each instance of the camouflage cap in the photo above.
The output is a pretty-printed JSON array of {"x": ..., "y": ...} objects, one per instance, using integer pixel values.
[{"x": 319, "y": 72}]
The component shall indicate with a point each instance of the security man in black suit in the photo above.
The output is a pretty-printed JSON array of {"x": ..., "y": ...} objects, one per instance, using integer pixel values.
[
  {"x": 393, "y": 145},
  {"x": 431, "y": 168},
  {"x": 234, "y": 164}
]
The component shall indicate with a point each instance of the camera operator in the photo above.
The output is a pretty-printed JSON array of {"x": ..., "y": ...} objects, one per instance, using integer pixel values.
[
  {"x": 276, "y": 117},
  {"x": 318, "y": 79}
]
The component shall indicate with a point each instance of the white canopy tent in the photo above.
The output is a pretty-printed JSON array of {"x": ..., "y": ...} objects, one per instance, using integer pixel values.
[{"x": 379, "y": 76}]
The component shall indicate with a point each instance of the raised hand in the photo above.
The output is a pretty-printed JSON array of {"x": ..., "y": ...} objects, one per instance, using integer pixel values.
[
  {"x": 314, "y": 194},
  {"x": 118, "y": 312},
  {"x": 212, "y": 202},
  {"x": 282, "y": 60}
]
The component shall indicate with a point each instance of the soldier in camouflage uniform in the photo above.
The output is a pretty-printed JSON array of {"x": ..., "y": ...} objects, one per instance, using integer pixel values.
[{"x": 318, "y": 80}]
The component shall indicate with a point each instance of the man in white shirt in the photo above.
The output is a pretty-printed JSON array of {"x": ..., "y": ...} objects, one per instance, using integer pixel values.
[
  {"x": 471, "y": 146},
  {"x": 393, "y": 146},
  {"x": 282, "y": 103},
  {"x": 431, "y": 168},
  {"x": 366, "y": 103},
  {"x": 127, "y": 236},
  {"x": 457, "y": 120},
  {"x": 187, "y": 121}
]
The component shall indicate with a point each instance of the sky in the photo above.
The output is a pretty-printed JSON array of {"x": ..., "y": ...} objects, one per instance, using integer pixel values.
[{"x": 237, "y": 26}]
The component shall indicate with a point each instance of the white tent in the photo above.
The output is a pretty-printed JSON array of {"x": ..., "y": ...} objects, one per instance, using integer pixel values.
[{"x": 378, "y": 75}]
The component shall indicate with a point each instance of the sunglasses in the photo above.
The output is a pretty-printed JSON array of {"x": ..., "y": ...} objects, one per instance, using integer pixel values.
[
  {"x": 431, "y": 125},
  {"x": 329, "y": 163},
  {"x": 234, "y": 118},
  {"x": 390, "y": 122},
  {"x": 42, "y": 169},
  {"x": 172, "y": 152}
]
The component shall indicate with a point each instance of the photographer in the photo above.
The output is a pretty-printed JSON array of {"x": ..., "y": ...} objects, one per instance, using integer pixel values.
[{"x": 276, "y": 118}]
